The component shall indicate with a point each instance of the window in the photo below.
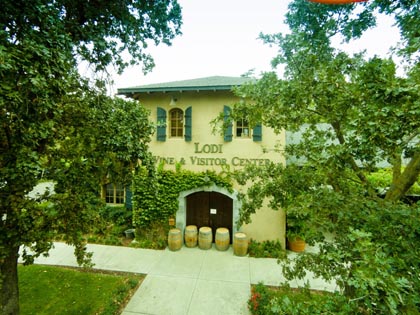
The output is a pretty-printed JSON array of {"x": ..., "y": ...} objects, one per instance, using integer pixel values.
[
  {"x": 242, "y": 129},
  {"x": 114, "y": 194},
  {"x": 176, "y": 122}
]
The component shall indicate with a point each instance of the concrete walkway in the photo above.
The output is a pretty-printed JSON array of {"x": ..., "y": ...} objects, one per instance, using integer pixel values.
[{"x": 190, "y": 281}]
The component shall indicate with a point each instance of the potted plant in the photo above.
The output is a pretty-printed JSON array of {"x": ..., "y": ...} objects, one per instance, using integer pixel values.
[
  {"x": 297, "y": 230},
  {"x": 130, "y": 233}
]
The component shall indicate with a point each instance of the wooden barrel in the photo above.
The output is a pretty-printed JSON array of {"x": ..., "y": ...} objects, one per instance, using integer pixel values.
[
  {"x": 222, "y": 239},
  {"x": 191, "y": 236},
  {"x": 205, "y": 237},
  {"x": 240, "y": 244},
  {"x": 174, "y": 239}
]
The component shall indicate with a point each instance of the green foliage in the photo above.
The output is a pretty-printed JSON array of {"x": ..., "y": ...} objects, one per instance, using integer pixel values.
[
  {"x": 298, "y": 224},
  {"x": 266, "y": 249},
  {"x": 282, "y": 189},
  {"x": 156, "y": 192},
  {"x": 99, "y": 33},
  {"x": 53, "y": 290},
  {"x": 375, "y": 246},
  {"x": 284, "y": 300},
  {"x": 372, "y": 257},
  {"x": 119, "y": 215},
  {"x": 153, "y": 236},
  {"x": 110, "y": 224},
  {"x": 259, "y": 299},
  {"x": 381, "y": 178},
  {"x": 349, "y": 114},
  {"x": 54, "y": 121}
]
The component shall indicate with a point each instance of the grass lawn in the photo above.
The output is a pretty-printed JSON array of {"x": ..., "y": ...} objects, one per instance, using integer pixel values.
[{"x": 58, "y": 290}]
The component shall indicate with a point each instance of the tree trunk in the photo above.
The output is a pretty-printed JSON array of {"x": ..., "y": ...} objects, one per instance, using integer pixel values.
[
  {"x": 402, "y": 184},
  {"x": 396, "y": 169},
  {"x": 9, "y": 291}
]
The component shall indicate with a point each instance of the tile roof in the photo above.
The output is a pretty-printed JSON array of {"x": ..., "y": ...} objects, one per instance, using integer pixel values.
[{"x": 215, "y": 83}]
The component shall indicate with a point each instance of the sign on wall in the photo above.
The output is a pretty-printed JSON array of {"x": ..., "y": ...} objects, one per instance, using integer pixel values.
[{"x": 198, "y": 159}]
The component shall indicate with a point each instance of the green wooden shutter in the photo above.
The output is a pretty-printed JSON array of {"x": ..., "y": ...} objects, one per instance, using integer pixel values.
[
  {"x": 128, "y": 198},
  {"x": 161, "y": 124},
  {"x": 228, "y": 131},
  {"x": 257, "y": 133},
  {"x": 188, "y": 124}
]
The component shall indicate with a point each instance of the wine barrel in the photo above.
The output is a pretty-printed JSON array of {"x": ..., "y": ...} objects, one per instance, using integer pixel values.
[
  {"x": 222, "y": 239},
  {"x": 174, "y": 239},
  {"x": 240, "y": 244},
  {"x": 205, "y": 237},
  {"x": 190, "y": 236}
]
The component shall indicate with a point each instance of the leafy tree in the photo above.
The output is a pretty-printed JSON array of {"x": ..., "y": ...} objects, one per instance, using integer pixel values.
[
  {"x": 53, "y": 120},
  {"x": 352, "y": 113}
]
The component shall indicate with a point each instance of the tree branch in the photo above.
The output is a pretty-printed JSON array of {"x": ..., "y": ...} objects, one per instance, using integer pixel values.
[
  {"x": 402, "y": 184},
  {"x": 337, "y": 128}
]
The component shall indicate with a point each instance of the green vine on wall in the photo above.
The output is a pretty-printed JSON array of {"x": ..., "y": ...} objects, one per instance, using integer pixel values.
[{"x": 156, "y": 191}]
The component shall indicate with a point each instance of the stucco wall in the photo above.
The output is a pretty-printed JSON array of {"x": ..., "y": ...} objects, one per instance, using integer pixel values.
[{"x": 208, "y": 150}]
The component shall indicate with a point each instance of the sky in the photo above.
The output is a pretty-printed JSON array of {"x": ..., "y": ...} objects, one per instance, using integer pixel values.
[{"x": 220, "y": 37}]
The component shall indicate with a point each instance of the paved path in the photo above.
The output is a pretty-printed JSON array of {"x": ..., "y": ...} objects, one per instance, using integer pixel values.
[{"x": 190, "y": 281}]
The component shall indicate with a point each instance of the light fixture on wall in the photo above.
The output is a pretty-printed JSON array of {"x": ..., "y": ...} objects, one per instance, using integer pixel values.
[{"x": 173, "y": 101}]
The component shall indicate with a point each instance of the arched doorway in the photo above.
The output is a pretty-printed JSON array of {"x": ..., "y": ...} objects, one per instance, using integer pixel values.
[
  {"x": 211, "y": 209},
  {"x": 181, "y": 214}
]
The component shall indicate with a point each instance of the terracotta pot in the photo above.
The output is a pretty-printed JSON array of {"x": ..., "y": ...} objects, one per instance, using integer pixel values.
[{"x": 297, "y": 245}]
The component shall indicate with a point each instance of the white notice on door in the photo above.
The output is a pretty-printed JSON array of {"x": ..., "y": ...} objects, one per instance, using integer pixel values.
[{"x": 213, "y": 211}]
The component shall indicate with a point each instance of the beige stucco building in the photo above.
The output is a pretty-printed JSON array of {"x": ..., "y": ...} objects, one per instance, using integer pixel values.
[{"x": 182, "y": 112}]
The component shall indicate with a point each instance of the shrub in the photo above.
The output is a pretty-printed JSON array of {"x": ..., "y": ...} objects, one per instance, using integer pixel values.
[
  {"x": 266, "y": 249},
  {"x": 382, "y": 177},
  {"x": 153, "y": 236},
  {"x": 119, "y": 215},
  {"x": 259, "y": 300},
  {"x": 110, "y": 224},
  {"x": 285, "y": 300}
]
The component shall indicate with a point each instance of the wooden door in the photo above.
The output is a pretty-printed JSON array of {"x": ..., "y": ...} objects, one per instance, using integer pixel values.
[
  {"x": 222, "y": 205},
  {"x": 198, "y": 209},
  {"x": 210, "y": 209}
]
